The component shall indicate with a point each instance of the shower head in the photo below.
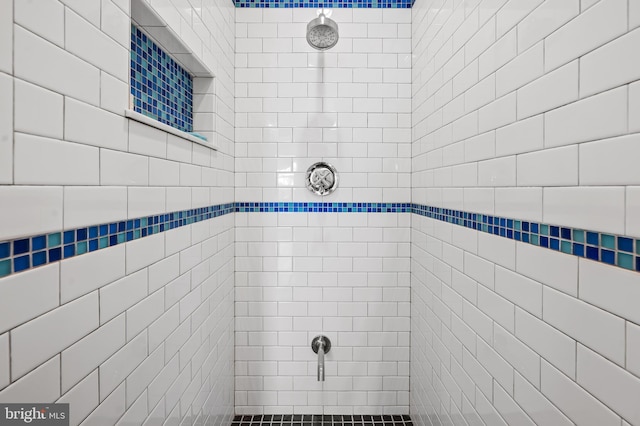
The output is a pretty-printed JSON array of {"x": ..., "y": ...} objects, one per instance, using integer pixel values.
[{"x": 322, "y": 32}]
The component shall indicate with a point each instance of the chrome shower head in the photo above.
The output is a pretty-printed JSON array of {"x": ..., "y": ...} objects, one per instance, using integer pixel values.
[{"x": 322, "y": 32}]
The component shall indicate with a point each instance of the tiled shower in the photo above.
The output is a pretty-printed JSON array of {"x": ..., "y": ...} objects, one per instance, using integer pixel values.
[{"x": 163, "y": 262}]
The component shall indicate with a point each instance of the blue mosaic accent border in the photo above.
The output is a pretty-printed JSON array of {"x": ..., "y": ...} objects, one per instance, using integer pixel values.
[
  {"x": 317, "y": 207},
  {"x": 617, "y": 250},
  {"x": 32, "y": 251},
  {"x": 329, "y": 4},
  {"x": 160, "y": 87}
]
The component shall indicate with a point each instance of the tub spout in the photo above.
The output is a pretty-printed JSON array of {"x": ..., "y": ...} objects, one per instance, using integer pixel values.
[
  {"x": 321, "y": 362},
  {"x": 321, "y": 345}
]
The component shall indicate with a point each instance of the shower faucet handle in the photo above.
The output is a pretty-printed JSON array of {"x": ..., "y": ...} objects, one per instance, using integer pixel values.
[{"x": 321, "y": 340}]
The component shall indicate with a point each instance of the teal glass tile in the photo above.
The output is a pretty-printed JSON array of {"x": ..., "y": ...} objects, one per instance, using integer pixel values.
[
  {"x": 5, "y": 267},
  {"x": 104, "y": 242},
  {"x": 121, "y": 238},
  {"x": 81, "y": 247},
  {"x": 517, "y": 225},
  {"x": 625, "y": 261},
  {"x": 54, "y": 239},
  {"x": 578, "y": 236},
  {"x": 608, "y": 241},
  {"x": 565, "y": 247},
  {"x": 544, "y": 229},
  {"x": 143, "y": 222},
  {"x": 136, "y": 234},
  {"x": 534, "y": 239}
]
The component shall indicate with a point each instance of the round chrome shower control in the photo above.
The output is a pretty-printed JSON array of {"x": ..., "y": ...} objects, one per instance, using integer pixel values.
[
  {"x": 322, "y": 178},
  {"x": 321, "y": 340}
]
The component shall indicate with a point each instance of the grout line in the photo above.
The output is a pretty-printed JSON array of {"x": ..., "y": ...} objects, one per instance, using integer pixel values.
[
  {"x": 10, "y": 339},
  {"x": 13, "y": 96}
]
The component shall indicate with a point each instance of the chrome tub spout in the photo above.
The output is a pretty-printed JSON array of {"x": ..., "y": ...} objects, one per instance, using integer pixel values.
[{"x": 321, "y": 345}]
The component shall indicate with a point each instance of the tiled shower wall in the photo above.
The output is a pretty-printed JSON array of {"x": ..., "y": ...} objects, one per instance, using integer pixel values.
[
  {"x": 526, "y": 110},
  {"x": 300, "y": 274},
  {"x": 139, "y": 332}
]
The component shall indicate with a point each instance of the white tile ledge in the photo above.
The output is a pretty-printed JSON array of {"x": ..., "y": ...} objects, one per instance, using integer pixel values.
[{"x": 141, "y": 118}]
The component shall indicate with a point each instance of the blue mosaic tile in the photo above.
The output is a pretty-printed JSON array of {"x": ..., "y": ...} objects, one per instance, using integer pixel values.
[
  {"x": 81, "y": 248},
  {"x": 21, "y": 246},
  {"x": 319, "y": 207},
  {"x": 600, "y": 247},
  {"x": 55, "y": 254},
  {"x": 69, "y": 251},
  {"x": 160, "y": 87},
  {"x": 93, "y": 232},
  {"x": 578, "y": 249},
  {"x": 625, "y": 261},
  {"x": 544, "y": 229},
  {"x": 39, "y": 243},
  {"x": 5, "y": 267},
  {"x": 53, "y": 240},
  {"x": 608, "y": 241},
  {"x": 608, "y": 256},
  {"x": 334, "y": 4},
  {"x": 21, "y": 263},
  {"x": 69, "y": 237},
  {"x": 39, "y": 258},
  {"x": 544, "y": 241},
  {"x": 625, "y": 244},
  {"x": 5, "y": 250},
  {"x": 30, "y": 252}
]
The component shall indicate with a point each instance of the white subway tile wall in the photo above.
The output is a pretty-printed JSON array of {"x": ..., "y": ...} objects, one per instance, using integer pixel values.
[
  {"x": 528, "y": 111},
  {"x": 345, "y": 275},
  {"x": 143, "y": 331},
  {"x": 523, "y": 110}
]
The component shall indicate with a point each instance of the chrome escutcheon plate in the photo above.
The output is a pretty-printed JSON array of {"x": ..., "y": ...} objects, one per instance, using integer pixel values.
[{"x": 322, "y": 178}]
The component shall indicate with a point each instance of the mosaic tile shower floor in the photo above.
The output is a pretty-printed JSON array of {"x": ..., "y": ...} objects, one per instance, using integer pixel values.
[{"x": 321, "y": 420}]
